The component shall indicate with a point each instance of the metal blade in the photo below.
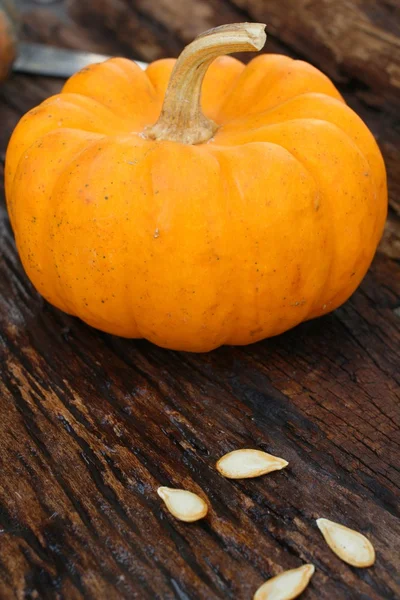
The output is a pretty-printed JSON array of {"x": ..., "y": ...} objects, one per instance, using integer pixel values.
[{"x": 39, "y": 59}]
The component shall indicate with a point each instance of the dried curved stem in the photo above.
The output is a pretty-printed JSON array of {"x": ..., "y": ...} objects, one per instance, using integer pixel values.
[{"x": 181, "y": 118}]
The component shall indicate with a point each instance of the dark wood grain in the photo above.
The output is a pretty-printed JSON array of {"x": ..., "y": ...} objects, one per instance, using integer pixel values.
[
  {"x": 92, "y": 424},
  {"x": 355, "y": 41}
]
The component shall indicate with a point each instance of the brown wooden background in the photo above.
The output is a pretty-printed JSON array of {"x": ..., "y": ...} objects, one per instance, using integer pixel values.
[{"x": 92, "y": 424}]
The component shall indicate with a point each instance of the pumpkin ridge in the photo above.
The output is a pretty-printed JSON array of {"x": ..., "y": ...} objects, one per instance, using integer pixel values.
[
  {"x": 49, "y": 132},
  {"x": 298, "y": 66},
  {"x": 59, "y": 284},
  {"x": 114, "y": 112},
  {"x": 350, "y": 142},
  {"x": 72, "y": 99},
  {"x": 120, "y": 66},
  {"x": 317, "y": 185},
  {"x": 228, "y": 173},
  {"x": 232, "y": 317},
  {"x": 297, "y": 156},
  {"x": 227, "y": 90},
  {"x": 239, "y": 82},
  {"x": 39, "y": 116},
  {"x": 93, "y": 316},
  {"x": 294, "y": 69},
  {"x": 242, "y": 121},
  {"x": 342, "y": 131},
  {"x": 327, "y": 109},
  {"x": 134, "y": 87},
  {"x": 266, "y": 126},
  {"x": 55, "y": 297}
]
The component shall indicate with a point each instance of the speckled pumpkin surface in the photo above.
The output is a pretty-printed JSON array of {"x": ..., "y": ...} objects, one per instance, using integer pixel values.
[{"x": 271, "y": 221}]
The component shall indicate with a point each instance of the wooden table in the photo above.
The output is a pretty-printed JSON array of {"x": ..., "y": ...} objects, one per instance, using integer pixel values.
[{"x": 91, "y": 424}]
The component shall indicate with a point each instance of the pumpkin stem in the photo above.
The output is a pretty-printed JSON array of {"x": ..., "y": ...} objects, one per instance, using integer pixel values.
[{"x": 181, "y": 119}]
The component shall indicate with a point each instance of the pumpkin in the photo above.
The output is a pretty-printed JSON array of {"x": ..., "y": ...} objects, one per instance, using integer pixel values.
[
  {"x": 200, "y": 202},
  {"x": 9, "y": 27}
]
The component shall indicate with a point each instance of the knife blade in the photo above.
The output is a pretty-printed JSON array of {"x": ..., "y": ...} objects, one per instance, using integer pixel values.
[{"x": 39, "y": 59}]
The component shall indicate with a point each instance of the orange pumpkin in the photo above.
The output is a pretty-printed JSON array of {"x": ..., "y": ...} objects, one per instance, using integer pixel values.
[{"x": 146, "y": 217}]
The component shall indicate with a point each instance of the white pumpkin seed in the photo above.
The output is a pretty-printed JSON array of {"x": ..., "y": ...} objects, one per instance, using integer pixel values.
[
  {"x": 349, "y": 545},
  {"x": 286, "y": 585},
  {"x": 183, "y": 505},
  {"x": 245, "y": 463}
]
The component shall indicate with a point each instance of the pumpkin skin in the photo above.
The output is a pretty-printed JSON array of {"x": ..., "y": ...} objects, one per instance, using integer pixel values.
[{"x": 272, "y": 222}]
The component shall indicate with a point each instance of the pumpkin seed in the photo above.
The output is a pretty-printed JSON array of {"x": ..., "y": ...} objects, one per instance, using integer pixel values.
[
  {"x": 183, "y": 505},
  {"x": 245, "y": 463},
  {"x": 286, "y": 585},
  {"x": 349, "y": 545}
]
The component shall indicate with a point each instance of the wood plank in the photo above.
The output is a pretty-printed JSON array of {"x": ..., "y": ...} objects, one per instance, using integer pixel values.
[
  {"x": 356, "y": 43},
  {"x": 93, "y": 424}
]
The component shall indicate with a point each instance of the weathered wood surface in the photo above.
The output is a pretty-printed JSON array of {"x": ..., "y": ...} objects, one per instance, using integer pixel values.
[
  {"x": 91, "y": 425},
  {"x": 356, "y": 42}
]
